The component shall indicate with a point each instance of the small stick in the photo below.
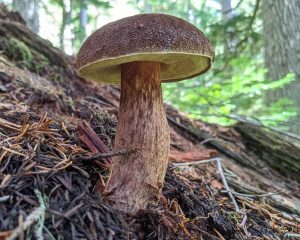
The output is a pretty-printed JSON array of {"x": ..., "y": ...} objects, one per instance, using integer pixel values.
[
  {"x": 105, "y": 155},
  {"x": 195, "y": 162},
  {"x": 5, "y": 198},
  {"x": 256, "y": 195},
  {"x": 86, "y": 131},
  {"x": 242, "y": 224},
  {"x": 220, "y": 169},
  {"x": 88, "y": 136},
  {"x": 38, "y": 213},
  {"x": 291, "y": 235}
]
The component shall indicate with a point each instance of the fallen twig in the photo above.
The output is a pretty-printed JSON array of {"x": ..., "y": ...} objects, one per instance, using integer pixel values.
[
  {"x": 88, "y": 136},
  {"x": 220, "y": 169},
  {"x": 195, "y": 162},
  {"x": 291, "y": 235},
  {"x": 104, "y": 155},
  {"x": 37, "y": 214},
  {"x": 4, "y": 198},
  {"x": 256, "y": 195}
]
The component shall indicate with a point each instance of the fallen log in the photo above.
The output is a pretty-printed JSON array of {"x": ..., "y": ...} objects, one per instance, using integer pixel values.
[
  {"x": 280, "y": 152},
  {"x": 21, "y": 44}
]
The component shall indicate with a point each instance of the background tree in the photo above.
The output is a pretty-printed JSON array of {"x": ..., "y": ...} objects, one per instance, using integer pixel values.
[
  {"x": 282, "y": 50},
  {"x": 83, "y": 19},
  {"x": 67, "y": 9},
  {"x": 75, "y": 16},
  {"x": 29, "y": 10},
  {"x": 227, "y": 11},
  {"x": 82, "y": 16}
]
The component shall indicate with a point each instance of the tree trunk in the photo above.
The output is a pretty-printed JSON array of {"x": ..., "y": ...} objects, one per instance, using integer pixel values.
[
  {"x": 282, "y": 49},
  {"x": 227, "y": 14},
  {"x": 137, "y": 179},
  {"x": 148, "y": 7},
  {"x": 29, "y": 10},
  {"x": 83, "y": 20},
  {"x": 79, "y": 33},
  {"x": 227, "y": 11},
  {"x": 66, "y": 20}
]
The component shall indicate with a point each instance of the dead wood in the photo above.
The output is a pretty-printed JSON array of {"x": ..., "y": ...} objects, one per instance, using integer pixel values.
[{"x": 278, "y": 151}]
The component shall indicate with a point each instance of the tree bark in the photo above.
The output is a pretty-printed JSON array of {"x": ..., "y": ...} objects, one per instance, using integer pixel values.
[
  {"x": 282, "y": 49},
  {"x": 83, "y": 20},
  {"x": 280, "y": 152},
  {"x": 227, "y": 11},
  {"x": 227, "y": 14},
  {"x": 66, "y": 21},
  {"x": 148, "y": 7},
  {"x": 137, "y": 179},
  {"x": 29, "y": 10}
]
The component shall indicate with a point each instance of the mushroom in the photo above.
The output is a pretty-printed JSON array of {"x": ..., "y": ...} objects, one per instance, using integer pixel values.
[{"x": 141, "y": 52}]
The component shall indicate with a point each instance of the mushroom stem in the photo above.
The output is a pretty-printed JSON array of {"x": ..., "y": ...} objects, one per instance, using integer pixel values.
[{"x": 137, "y": 179}]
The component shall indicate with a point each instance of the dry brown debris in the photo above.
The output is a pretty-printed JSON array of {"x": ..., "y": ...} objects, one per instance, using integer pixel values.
[{"x": 37, "y": 154}]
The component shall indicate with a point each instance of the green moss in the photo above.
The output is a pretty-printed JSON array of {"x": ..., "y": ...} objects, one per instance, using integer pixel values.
[
  {"x": 16, "y": 50},
  {"x": 39, "y": 64},
  {"x": 19, "y": 52}
]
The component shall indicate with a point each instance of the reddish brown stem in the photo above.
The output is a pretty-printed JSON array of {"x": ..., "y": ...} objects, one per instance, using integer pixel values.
[{"x": 137, "y": 179}]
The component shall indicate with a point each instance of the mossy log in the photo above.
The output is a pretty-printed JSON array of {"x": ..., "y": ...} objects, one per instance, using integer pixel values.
[
  {"x": 42, "y": 51},
  {"x": 279, "y": 151}
]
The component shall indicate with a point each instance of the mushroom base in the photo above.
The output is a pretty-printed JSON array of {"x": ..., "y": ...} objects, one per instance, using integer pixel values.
[{"x": 137, "y": 179}]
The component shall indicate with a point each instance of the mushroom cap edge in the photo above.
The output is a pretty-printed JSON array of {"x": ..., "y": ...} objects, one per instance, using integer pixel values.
[{"x": 180, "y": 47}]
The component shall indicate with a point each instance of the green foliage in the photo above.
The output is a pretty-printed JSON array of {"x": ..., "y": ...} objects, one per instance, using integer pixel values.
[
  {"x": 236, "y": 83},
  {"x": 243, "y": 94}
]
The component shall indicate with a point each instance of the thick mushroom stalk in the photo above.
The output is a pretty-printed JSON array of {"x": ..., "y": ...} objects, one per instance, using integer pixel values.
[{"x": 137, "y": 179}]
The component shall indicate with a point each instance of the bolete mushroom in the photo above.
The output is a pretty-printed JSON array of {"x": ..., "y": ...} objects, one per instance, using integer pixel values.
[{"x": 140, "y": 52}]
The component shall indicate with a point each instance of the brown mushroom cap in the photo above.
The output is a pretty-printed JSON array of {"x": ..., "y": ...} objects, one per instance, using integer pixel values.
[{"x": 181, "y": 48}]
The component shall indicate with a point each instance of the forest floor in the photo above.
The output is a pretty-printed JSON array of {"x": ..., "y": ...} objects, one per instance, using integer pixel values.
[{"x": 56, "y": 139}]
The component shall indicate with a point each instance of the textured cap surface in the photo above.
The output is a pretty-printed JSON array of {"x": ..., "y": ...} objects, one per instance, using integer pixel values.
[{"x": 182, "y": 49}]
